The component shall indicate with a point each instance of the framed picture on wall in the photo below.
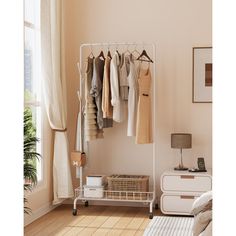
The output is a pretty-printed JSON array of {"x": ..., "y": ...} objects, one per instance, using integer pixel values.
[{"x": 202, "y": 75}]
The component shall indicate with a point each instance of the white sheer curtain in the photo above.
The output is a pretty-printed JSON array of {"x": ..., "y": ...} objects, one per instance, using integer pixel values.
[{"x": 54, "y": 94}]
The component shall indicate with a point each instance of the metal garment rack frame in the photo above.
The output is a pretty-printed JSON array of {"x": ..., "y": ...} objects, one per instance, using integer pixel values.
[{"x": 121, "y": 196}]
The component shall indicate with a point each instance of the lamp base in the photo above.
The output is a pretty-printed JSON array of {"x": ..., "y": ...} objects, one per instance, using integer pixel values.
[{"x": 180, "y": 168}]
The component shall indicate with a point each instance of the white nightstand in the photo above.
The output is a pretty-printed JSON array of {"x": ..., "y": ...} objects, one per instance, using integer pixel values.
[{"x": 181, "y": 188}]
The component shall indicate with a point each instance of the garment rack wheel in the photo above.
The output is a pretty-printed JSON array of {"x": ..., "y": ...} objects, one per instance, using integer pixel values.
[
  {"x": 150, "y": 215},
  {"x": 74, "y": 212},
  {"x": 86, "y": 203}
]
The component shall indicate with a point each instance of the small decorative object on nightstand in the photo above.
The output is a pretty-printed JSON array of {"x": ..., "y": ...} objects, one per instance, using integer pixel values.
[
  {"x": 201, "y": 163},
  {"x": 180, "y": 141},
  {"x": 201, "y": 166},
  {"x": 180, "y": 189}
]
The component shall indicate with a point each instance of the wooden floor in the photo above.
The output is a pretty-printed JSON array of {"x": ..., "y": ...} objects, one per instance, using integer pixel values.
[{"x": 92, "y": 220}]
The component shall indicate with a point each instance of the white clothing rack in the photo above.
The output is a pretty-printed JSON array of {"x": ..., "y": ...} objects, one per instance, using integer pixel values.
[{"x": 151, "y": 196}]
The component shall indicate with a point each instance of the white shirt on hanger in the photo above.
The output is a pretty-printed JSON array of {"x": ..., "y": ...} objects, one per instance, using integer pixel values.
[
  {"x": 118, "y": 105},
  {"x": 132, "y": 97}
]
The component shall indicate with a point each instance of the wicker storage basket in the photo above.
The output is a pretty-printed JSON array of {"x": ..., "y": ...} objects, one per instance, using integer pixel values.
[{"x": 130, "y": 183}]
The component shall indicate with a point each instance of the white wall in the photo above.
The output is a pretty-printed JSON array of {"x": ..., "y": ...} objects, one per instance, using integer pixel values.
[{"x": 175, "y": 27}]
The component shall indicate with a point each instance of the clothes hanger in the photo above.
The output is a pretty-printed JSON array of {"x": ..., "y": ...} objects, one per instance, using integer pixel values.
[
  {"x": 127, "y": 51},
  {"x": 117, "y": 51},
  {"x": 91, "y": 52},
  {"x": 144, "y": 54},
  {"x": 135, "y": 51},
  {"x": 101, "y": 55},
  {"x": 91, "y": 55},
  {"x": 108, "y": 52}
]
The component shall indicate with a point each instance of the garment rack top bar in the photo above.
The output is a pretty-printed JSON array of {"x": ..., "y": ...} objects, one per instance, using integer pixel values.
[{"x": 116, "y": 44}]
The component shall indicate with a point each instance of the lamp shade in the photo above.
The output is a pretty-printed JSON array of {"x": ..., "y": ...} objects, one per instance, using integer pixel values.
[{"x": 181, "y": 140}]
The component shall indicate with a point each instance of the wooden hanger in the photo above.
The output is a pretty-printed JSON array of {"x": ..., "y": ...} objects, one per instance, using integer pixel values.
[
  {"x": 144, "y": 54},
  {"x": 101, "y": 55},
  {"x": 109, "y": 54},
  {"x": 117, "y": 51}
]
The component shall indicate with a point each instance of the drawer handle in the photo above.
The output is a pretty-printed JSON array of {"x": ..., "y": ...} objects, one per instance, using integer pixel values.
[
  {"x": 186, "y": 197},
  {"x": 187, "y": 176}
]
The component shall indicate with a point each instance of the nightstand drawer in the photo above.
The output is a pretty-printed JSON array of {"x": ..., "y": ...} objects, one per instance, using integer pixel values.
[
  {"x": 186, "y": 183},
  {"x": 177, "y": 204}
]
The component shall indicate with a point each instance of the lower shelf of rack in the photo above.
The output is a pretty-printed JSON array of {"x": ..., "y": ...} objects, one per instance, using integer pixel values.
[
  {"x": 109, "y": 195},
  {"x": 111, "y": 199}
]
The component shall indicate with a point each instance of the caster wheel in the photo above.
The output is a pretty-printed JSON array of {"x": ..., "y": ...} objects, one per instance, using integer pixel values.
[
  {"x": 150, "y": 215},
  {"x": 74, "y": 212},
  {"x": 86, "y": 204},
  {"x": 156, "y": 206}
]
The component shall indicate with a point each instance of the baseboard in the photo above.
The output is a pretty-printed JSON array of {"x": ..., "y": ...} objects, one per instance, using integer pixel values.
[{"x": 38, "y": 213}]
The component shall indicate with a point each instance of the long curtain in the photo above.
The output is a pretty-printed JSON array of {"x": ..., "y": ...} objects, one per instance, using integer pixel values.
[{"x": 55, "y": 95}]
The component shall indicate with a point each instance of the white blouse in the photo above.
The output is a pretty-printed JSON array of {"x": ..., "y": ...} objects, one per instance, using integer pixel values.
[
  {"x": 116, "y": 102},
  {"x": 132, "y": 98}
]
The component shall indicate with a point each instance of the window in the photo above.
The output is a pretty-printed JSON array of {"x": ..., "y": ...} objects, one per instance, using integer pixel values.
[{"x": 32, "y": 71}]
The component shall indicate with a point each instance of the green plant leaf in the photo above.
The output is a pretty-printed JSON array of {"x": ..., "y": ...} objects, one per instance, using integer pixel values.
[{"x": 30, "y": 155}]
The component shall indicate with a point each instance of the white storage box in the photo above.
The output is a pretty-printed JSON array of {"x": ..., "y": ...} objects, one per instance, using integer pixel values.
[
  {"x": 93, "y": 191},
  {"x": 95, "y": 180}
]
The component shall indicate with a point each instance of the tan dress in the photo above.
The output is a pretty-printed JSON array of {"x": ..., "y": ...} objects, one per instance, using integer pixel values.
[
  {"x": 144, "y": 121},
  {"x": 106, "y": 91}
]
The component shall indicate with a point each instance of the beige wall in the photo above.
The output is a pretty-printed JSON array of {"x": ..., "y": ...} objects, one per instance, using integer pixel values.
[{"x": 175, "y": 27}]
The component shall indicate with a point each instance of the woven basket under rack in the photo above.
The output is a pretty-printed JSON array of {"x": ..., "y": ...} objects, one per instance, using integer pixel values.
[{"x": 130, "y": 183}]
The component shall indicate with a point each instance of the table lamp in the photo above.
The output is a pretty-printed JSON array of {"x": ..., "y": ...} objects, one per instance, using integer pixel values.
[{"x": 180, "y": 141}]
